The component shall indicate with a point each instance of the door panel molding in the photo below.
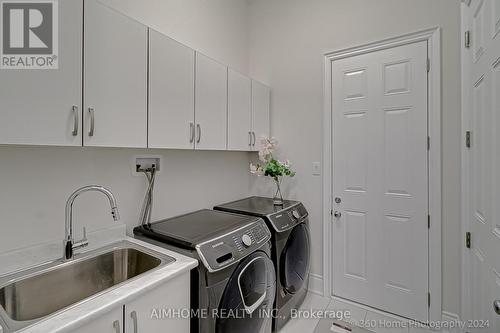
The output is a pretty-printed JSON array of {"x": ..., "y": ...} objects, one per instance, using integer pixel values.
[{"x": 432, "y": 36}]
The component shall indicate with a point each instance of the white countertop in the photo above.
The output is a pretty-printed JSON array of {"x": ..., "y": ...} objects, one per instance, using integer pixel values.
[{"x": 77, "y": 315}]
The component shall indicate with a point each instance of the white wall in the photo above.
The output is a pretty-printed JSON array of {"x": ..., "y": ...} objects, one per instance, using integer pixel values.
[
  {"x": 287, "y": 41},
  {"x": 217, "y": 28},
  {"x": 36, "y": 181}
]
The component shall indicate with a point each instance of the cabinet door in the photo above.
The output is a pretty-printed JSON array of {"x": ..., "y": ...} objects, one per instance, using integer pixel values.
[
  {"x": 260, "y": 112},
  {"x": 111, "y": 322},
  {"x": 211, "y": 104},
  {"x": 159, "y": 310},
  {"x": 171, "y": 93},
  {"x": 115, "y": 68},
  {"x": 38, "y": 107},
  {"x": 239, "y": 113}
]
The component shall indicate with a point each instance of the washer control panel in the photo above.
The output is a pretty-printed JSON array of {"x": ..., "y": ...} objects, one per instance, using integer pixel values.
[
  {"x": 230, "y": 248},
  {"x": 288, "y": 218}
]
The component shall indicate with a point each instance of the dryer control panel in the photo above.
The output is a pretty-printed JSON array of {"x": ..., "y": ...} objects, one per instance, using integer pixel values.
[
  {"x": 288, "y": 218},
  {"x": 228, "y": 249}
]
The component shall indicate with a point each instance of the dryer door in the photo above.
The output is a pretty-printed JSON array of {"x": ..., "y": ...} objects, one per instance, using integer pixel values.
[
  {"x": 247, "y": 301},
  {"x": 294, "y": 259}
]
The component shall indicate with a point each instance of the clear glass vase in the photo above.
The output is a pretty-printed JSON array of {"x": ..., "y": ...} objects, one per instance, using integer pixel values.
[{"x": 278, "y": 197}]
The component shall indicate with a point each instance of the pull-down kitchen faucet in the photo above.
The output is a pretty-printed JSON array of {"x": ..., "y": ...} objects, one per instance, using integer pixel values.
[{"x": 69, "y": 244}]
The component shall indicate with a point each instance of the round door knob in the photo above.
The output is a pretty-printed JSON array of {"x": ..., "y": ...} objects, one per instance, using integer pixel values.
[
  {"x": 296, "y": 214},
  {"x": 337, "y": 214},
  {"x": 496, "y": 306},
  {"x": 246, "y": 240}
]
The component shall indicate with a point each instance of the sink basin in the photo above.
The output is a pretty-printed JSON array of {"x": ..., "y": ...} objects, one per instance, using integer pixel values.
[{"x": 42, "y": 292}]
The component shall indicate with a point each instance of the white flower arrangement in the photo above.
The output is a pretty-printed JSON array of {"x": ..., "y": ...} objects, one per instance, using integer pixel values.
[{"x": 270, "y": 166}]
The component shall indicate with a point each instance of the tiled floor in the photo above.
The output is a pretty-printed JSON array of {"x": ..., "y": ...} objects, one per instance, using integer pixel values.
[{"x": 374, "y": 320}]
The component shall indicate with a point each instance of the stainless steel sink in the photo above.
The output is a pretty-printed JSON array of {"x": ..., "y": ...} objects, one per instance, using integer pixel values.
[{"x": 33, "y": 294}]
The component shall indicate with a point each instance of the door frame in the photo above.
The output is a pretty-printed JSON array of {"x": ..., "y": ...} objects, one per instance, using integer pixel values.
[
  {"x": 433, "y": 38},
  {"x": 465, "y": 186}
]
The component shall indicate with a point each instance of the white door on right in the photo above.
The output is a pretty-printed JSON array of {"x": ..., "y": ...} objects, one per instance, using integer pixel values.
[
  {"x": 381, "y": 180},
  {"x": 482, "y": 176}
]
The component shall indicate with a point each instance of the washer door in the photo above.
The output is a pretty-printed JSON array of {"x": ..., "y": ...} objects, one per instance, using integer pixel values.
[
  {"x": 294, "y": 259},
  {"x": 247, "y": 301}
]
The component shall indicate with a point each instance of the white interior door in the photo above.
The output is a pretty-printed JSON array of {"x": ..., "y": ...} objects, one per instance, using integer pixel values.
[
  {"x": 481, "y": 91},
  {"x": 381, "y": 180}
]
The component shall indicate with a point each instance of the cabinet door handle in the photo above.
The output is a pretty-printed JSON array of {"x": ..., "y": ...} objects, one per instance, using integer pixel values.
[
  {"x": 191, "y": 132},
  {"x": 198, "y": 128},
  {"x": 133, "y": 315},
  {"x": 249, "y": 138},
  {"x": 254, "y": 140},
  {"x": 75, "y": 120},
  {"x": 92, "y": 121},
  {"x": 116, "y": 326}
]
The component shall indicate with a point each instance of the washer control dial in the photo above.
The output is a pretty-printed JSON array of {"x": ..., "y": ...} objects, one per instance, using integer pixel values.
[
  {"x": 246, "y": 240},
  {"x": 296, "y": 214}
]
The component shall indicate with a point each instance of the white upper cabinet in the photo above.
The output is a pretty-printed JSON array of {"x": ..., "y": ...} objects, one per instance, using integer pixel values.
[
  {"x": 239, "y": 111},
  {"x": 168, "y": 96},
  {"x": 260, "y": 112},
  {"x": 171, "y": 93},
  {"x": 210, "y": 104},
  {"x": 43, "y": 107},
  {"x": 115, "y": 74}
]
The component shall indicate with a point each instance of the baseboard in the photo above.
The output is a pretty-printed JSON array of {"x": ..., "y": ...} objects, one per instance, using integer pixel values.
[
  {"x": 316, "y": 284},
  {"x": 316, "y": 287}
]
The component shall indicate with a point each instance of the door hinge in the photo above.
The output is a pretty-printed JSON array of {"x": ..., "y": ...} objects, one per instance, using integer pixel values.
[
  {"x": 429, "y": 299},
  {"x": 428, "y": 221},
  {"x": 428, "y": 143},
  {"x": 467, "y": 39},
  {"x": 467, "y": 240},
  {"x": 467, "y": 139},
  {"x": 428, "y": 65}
]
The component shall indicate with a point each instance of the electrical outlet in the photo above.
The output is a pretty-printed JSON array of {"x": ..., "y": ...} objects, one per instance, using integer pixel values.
[
  {"x": 147, "y": 164},
  {"x": 316, "y": 169}
]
